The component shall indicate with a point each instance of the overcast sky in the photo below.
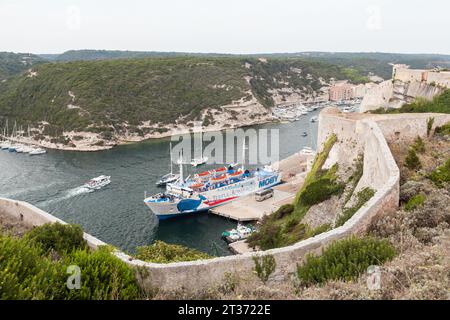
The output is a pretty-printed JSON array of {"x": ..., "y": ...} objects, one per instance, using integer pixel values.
[{"x": 225, "y": 26}]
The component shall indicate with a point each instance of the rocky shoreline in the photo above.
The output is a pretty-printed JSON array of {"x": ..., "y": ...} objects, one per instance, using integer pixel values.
[{"x": 91, "y": 142}]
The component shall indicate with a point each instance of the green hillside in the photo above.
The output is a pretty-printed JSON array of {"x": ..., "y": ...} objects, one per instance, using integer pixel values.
[
  {"x": 76, "y": 95},
  {"x": 15, "y": 63},
  {"x": 375, "y": 62}
]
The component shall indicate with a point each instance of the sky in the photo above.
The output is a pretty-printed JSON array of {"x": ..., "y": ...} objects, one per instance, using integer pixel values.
[{"x": 226, "y": 26}]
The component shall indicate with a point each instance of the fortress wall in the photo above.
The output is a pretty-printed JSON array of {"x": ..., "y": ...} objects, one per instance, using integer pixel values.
[
  {"x": 378, "y": 96},
  {"x": 407, "y": 127},
  {"x": 34, "y": 217},
  {"x": 407, "y": 75},
  {"x": 439, "y": 78}
]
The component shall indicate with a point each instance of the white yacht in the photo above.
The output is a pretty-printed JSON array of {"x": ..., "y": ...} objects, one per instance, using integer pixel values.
[
  {"x": 170, "y": 177},
  {"x": 37, "y": 151},
  {"x": 98, "y": 182}
]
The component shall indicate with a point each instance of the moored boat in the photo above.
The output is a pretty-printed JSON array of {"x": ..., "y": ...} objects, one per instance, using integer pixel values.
[
  {"x": 241, "y": 232},
  {"x": 210, "y": 189},
  {"x": 37, "y": 151}
]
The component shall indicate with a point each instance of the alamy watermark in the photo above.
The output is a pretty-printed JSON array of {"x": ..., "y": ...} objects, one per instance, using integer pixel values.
[
  {"x": 373, "y": 278},
  {"x": 74, "y": 280},
  {"x": 250, "y": 146}
]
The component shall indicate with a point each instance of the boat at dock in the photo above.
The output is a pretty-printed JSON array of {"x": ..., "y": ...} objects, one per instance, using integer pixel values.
[
  {"x": 170, "y": 177},
  {"x": 209, "y": 189},
  {"x": 37, "y": 151},
  {"x": 241, "y": 232}
]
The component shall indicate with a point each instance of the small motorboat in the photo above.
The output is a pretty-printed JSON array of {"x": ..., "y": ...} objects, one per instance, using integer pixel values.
[
  {"x": 240, "y": 233},
  {"x": 199, "y": 161},
  {"x": 168, "y": 178},
  {"x": 98, "y": 183},
  {"x": 37, "y": 151},
  {"x": 307, "y": 151},
  {"x": 304, "y": 134},
  {"x": 313, "y": 119}
]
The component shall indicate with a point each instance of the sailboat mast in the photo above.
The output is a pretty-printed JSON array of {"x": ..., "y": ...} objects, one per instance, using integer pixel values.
[
  {"x": 170, "y": 151},
  {"x": 243, "y": 154},
  {"x": 181, "y": 168}
]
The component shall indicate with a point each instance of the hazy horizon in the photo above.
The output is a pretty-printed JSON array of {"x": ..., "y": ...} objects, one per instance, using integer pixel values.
[{"x": 201, "y": 26}]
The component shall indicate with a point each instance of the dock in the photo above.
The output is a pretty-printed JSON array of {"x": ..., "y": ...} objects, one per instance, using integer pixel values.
[{"x": 293, "y": 171}]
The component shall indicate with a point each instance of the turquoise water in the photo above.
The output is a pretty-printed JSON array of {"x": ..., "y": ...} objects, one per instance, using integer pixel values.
[{"x": 116, "y": 214}]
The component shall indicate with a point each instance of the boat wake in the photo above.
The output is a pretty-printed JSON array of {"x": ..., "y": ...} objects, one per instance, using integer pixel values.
[{"x": 67, "y": 195}]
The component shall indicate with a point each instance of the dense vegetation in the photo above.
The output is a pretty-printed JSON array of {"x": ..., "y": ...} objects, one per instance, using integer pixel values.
[
  {"x": 110, "y": 93},
  {"x": 15, "y": 63},
  {"x": 36, "y": 267},
  {"x": 377, "y": 63},
  {"x": 161, "y": 252},
  {"x": 345, "y": 260}
]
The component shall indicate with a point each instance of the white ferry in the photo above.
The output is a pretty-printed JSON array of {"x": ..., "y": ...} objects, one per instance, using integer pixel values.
[{"x": 209, "y": 189}]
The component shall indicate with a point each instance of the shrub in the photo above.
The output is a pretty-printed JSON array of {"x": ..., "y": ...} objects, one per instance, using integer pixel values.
[
  {"x": 319, "y": 191},
  {"x": 61, "y": 238},
  {"x": 430, "y": 122},
  {"x": 161, "y": 252},
  {"x": 267, "y": 237},
  {"x": 419, "y": 145},
  {"x": 415, "y": 202},
  {"x": 25, "y": 274},
  {"x": 412, "y": 161},
  {"x": 264, "y": 267},
  {"x": 344, "y": 260},
  {"x": 443, "y": 130},
  {"x": 284, "y": 210},
  {"x": 103, "y": 276},
  {"x": 441, "y": 175},
  {"x": 362, "y": 197},
  {"x": 320, "y": 229}
]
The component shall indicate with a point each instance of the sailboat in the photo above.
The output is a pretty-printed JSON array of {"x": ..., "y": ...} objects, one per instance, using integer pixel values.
[
  {"x": 170, "y": 177},
  {"x": 5, "y": 142},
  {"x": 199, "y": 161}
]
